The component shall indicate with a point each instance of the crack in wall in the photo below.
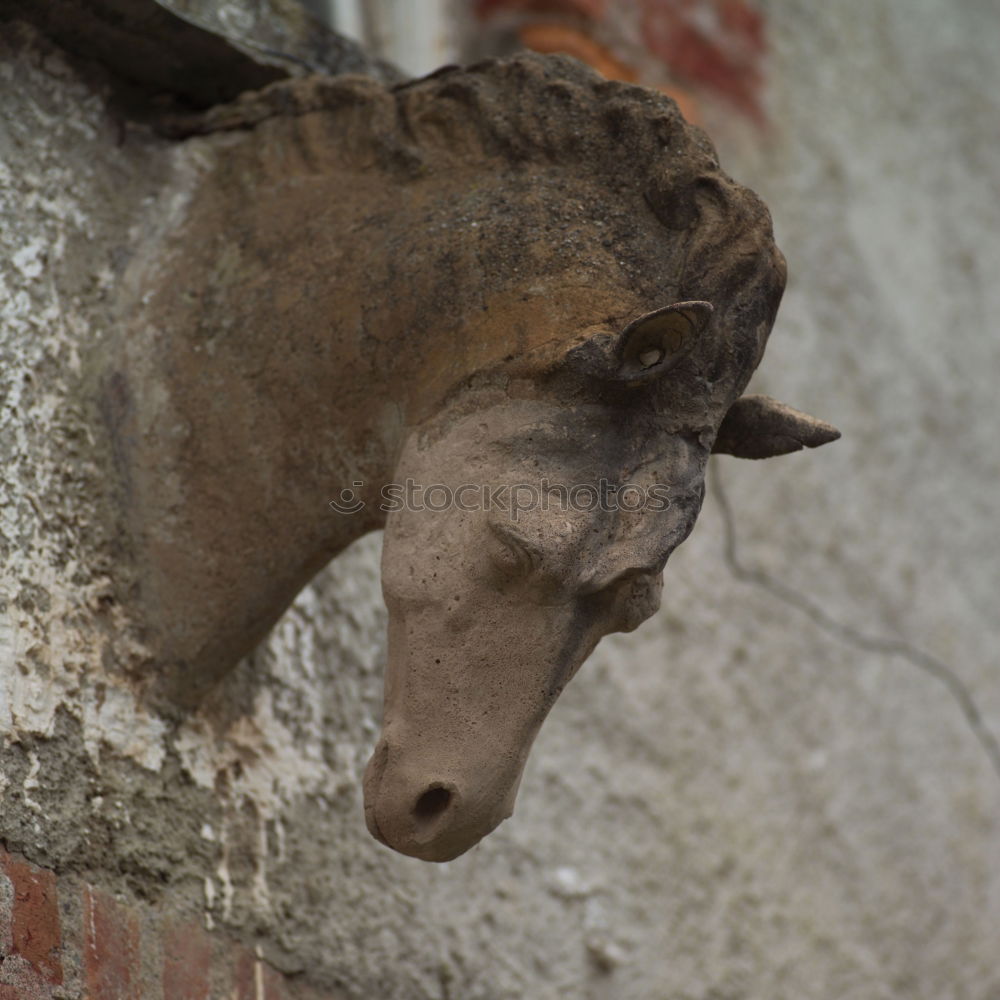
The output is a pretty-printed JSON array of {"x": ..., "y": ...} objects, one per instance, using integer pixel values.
[{"x": 930, "y": 665}]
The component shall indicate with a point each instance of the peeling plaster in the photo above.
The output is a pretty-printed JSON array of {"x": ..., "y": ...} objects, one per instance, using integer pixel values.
[
  {"x": 31, "y": 782},
  {"x": 268, "y": 759}
]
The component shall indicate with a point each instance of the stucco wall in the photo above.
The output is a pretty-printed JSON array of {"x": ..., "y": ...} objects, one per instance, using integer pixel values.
[{"x": 785, "y": 785}]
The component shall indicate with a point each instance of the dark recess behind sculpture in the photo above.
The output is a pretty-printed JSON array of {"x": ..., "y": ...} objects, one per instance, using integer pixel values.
[{"x": 158, "y": 58}]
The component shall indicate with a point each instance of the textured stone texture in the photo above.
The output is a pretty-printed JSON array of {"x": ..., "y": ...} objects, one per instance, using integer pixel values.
[{"x": 770, "y": 790}]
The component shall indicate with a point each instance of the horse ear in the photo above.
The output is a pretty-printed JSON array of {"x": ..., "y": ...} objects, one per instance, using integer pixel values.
[
  {"x": 652, "y": 344},
  {"x": 761, "y": 427}
]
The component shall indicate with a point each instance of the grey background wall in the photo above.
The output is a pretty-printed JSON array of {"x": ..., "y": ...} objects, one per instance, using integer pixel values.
[{"x": 787, "y": 784}]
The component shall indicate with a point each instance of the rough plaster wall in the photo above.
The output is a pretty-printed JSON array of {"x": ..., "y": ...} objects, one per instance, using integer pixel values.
[
  {"x": 770, "y": 790},
  {"x": 72, "y": 183}
]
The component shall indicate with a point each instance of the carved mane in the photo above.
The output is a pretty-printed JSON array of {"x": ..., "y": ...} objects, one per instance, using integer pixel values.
[{"x": 529, "y": 111}]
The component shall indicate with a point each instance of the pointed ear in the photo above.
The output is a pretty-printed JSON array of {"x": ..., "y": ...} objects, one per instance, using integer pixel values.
[
  {"x": 761, "y": 427},
  {"x": 652, "y": 344}
]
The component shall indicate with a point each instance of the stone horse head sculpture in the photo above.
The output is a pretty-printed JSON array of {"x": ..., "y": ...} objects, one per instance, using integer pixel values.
[{"x": 506, "y": 312}]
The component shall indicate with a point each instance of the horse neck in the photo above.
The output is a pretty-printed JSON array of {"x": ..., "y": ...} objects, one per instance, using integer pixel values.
[{"x": 245, "y": 405}]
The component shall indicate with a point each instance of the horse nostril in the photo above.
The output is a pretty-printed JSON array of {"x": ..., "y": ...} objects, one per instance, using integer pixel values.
[{"x": 432, "y": 804}]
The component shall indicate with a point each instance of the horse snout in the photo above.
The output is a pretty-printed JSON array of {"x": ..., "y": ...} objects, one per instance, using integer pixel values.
[{"x": 425, "y": 816}]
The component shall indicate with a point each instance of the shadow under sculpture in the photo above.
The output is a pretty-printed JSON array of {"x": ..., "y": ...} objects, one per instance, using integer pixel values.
[{"x": 516, "y": 273}]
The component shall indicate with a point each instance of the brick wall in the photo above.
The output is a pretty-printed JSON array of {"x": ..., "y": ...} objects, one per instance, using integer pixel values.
[{"x": 63, "y": 938}]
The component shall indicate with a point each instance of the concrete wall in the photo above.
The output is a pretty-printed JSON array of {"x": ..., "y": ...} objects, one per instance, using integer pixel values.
[{"x": 787, "y": 784}]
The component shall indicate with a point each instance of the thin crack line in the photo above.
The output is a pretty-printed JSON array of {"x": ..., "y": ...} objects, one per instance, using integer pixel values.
[{"x": 930, "y": 665}]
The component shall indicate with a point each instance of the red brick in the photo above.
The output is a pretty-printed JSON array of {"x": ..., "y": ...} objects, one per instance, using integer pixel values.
[
  {"x": 187, "y": 961},
  {"x": 254, "y": 979},
  {"x": 6, "y": 906},
  {"x": 244, "y": 986},
  {"x": 273, "y": 982},
  {"x": 111, "y": 948},
  {"x": 719, "y": 44},
  {"x": 34, "y": 929}
]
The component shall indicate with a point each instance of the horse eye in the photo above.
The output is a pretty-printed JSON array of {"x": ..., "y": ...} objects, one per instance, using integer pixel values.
[{"x": 510, "y": 553}]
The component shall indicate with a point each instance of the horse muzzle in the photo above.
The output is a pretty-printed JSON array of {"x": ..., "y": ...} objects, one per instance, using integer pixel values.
[{"x": 432, "y": 811}]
